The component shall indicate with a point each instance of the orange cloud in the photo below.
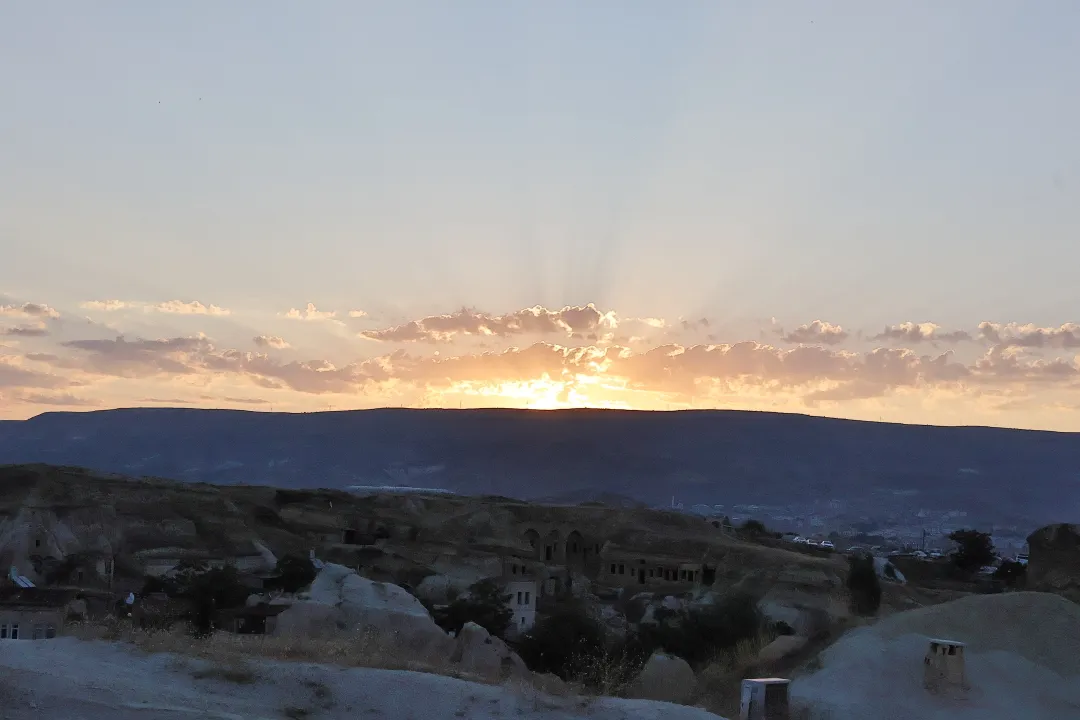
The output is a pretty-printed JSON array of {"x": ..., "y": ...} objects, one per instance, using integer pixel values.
[
  {"x": 310, "y": 312},
  {"x": 585, "y": 322},
  {"x": 29, "y": 310},
  {"x": 271, "y": 341},
  {"x": 816, "y": 332}
]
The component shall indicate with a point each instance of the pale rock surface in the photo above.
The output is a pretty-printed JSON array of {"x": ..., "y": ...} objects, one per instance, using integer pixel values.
[
  {"x": 666, "y": 678},
  {"x": 341, "y": 601},
  {"x": 1020, "y": 656},
  {"x": 480, "y": 654},
  {"x": 73, "y": 680}
]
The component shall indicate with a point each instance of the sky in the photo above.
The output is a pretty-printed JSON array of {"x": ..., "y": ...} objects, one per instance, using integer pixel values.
[{"x": 864, "y": 210}]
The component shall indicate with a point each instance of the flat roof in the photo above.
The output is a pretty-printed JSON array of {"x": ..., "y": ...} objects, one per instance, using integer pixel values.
[{"x": 939, "y": 641}]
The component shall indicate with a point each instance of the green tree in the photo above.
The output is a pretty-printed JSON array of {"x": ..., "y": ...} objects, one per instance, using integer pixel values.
[
  {"x": 485, "y": 604},
  {"x": 295, "y": 572},
  {"x": 974, "y": 549},
  {"x": 863, "y": 584}
]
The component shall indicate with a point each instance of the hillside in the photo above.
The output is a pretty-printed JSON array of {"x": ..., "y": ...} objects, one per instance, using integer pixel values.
[{"x": 699, "y": 456}]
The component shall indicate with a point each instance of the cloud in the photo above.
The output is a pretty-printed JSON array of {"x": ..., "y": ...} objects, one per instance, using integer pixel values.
[
  {"x": 246, "y": 401},
  {"x": 29, "y": 310},
  {"x": 357, "y": 314},
  {"x": 106, "y": 305},
  {"x": 60, "y": 399},
  {"x": 179, "y": 307},
  {"x": 577, "y": 322},
  {"x": 26, "y": 331},
  {"x": 310, "y": 312},
  {"x": 271, "y": 341},
  {"x": 14, "y": 375},
  {"x": 169, "y": 307},
  {"x": 1031, "y": 336},
  {"x": 914, "y": 333},
  {"x": 815, "y": 333},
  {"x": 137, "y": 358}
]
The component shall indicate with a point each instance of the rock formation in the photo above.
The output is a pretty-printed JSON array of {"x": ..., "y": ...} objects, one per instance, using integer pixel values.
[
  {"x": 340, "y": 601},
  {"x": 487, "y": 657},
  {"x": 666, "y": 678},
  {"x": 1054, "y": 560}
]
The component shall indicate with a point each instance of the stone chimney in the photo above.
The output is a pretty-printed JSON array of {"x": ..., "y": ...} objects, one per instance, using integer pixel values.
[{"x": 944, "y": 668}]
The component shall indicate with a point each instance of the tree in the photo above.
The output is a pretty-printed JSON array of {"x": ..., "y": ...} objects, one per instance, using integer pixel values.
[
  {"x": 485, "y": 604},
  {"x": 295, "y": 572},
  {"x": 863, "y": 584},
  {"x": 974, "y": 549}
]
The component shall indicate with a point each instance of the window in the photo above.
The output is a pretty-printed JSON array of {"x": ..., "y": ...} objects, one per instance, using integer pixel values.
[
  {"x": 651, "y": 573},
  {"x": 622, "y": 569},
  {"x": 526, "y": 597},
  {"x": 612, "y": 568},
  {"x": 522, "y": 621},
  {"x": 514, "y": 569},
  {"x": 3, "y": 632},
  {"x": 37, "y": 542},
  {"x": 14, "y": 631},
  {"x": 519, "y": 597}
]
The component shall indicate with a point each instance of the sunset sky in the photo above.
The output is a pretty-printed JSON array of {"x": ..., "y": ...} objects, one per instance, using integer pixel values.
[{"x": 866, "y": 210}]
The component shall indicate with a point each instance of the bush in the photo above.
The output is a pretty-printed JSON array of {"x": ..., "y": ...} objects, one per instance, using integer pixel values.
[
  {"x": 485, "y": 604},
  {"x": 863, "y": 585},
  {"x": 1011, "y": 573},
  {"x": 698, "y": 636},
  {"x": 294, "y": 572},
  {"x": 567, "y": 643}
]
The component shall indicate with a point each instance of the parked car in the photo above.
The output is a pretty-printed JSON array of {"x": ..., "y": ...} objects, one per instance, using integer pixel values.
[{"x": 827, "y": 545}]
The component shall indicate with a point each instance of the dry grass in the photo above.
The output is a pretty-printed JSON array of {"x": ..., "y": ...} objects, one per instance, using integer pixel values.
[
  {"x": 236, "y": 673},
  {"x": 227, "y": 650},
  {"x": 719, "y": 683}
]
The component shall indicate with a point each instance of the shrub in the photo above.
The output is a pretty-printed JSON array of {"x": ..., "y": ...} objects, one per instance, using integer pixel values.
[
  {"x": 485, "y": 604},
  {"x": 295, "y": 572},
  {"x": 863, "y": 585},
  {"x": 700, "y": 635},
  {"x": 567, "y": 643},
  {"x": 1011, "y": 574}
]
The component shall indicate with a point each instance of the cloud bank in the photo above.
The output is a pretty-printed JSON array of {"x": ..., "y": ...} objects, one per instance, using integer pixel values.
[{"x": 540, "y": 357}]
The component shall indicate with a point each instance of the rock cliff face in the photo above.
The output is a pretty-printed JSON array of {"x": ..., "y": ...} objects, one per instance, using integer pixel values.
[{"x": 1054, "y": 560}]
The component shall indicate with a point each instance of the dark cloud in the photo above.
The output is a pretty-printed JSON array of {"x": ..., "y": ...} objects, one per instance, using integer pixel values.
[
  {"x": 1030, "y": 336},
  {"x": 817, "y": 332},
  {"x": 140, "y": 358},
  {"x": 914, "y": 333},
  {"x": 26, "y": 331},
  {"x": 59, "y": 399}
]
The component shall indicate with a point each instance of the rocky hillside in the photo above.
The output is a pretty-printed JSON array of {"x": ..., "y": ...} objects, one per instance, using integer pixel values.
[{"x": 705, "y": 456}]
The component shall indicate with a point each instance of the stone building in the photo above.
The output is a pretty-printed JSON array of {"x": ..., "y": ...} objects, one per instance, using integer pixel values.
[{"x": 33, "y": 613}]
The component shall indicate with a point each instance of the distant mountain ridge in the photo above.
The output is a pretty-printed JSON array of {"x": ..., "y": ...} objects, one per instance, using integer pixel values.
[{"x": 697, "y": 456}]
